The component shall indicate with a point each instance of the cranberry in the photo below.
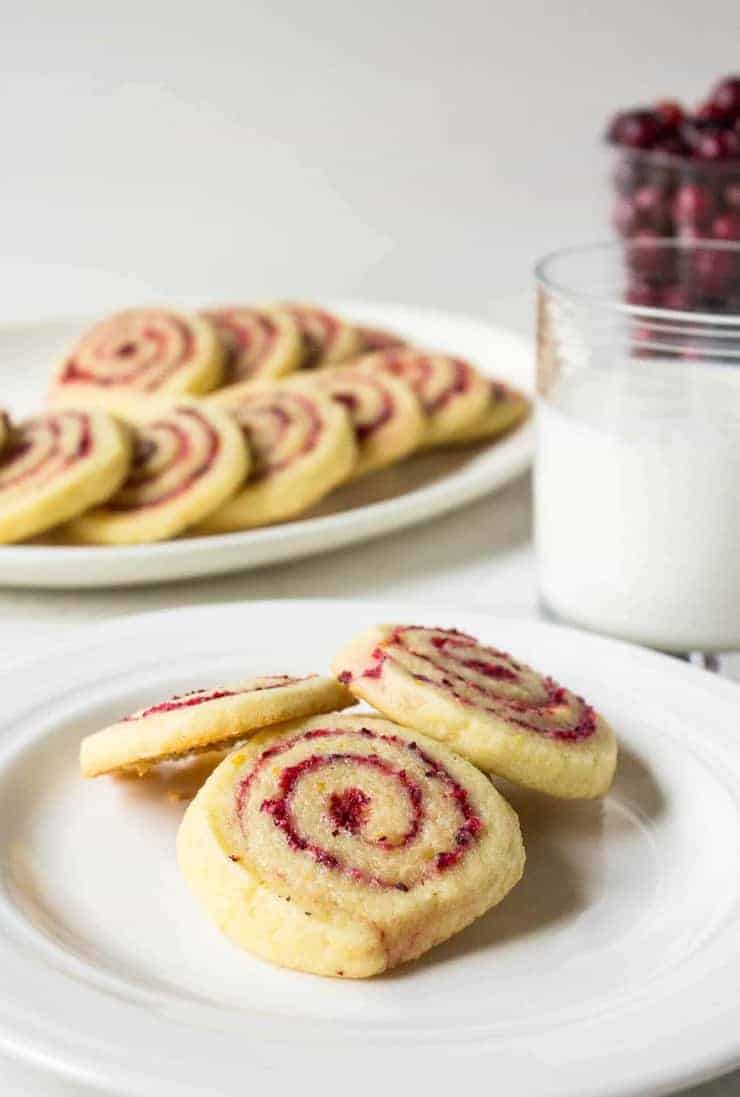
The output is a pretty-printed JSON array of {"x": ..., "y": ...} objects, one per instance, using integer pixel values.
[
  {"x": 670, "y": 113},
  {"x": 650, "y": 205},
  {"x": 677, "y": 297},
  {"x": 717, "y": 145},
  {"x": 641, "y": 294},
  {"x": 636, "y": 129},
  {"x": 712, "y": 269},
  {"x": 646, "y": 256},
  {"x": 673, "y": 145},
  {"x": 726, "y": 97},
  {"x": 693, "y": 204},
  {"x": 708, "y": 112},
  {"x": 625, "y": 218},
  {"x": 726, "y": 226}
]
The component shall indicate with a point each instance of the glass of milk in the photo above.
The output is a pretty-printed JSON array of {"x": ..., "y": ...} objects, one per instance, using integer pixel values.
[{"x": 637, "y": 483}]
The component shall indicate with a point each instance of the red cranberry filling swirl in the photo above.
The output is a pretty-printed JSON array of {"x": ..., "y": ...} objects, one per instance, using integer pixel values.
[
  {"x": 171, "y": 454},
  {"x": 435, "y": 378},
  {"x": 486, "y": 678},
  {"x": 319, "y": 331},
  {"x": 141, "y": 349},
  {"x": 43, "y": 448},
  {"x": 281, "y": 427},
  {"x": 374, "y": 808},
  {"x": 195, "y": 697},
  {"x": 249, "y": 336}
]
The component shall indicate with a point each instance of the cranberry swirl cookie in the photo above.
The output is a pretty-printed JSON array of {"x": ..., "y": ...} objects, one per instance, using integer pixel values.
[
  {"x": 327, "y": 339},
  {"x": 494, "y": 710},
  {"x": 452, "y": 394},
  {"x": 302, "y": 445},
  {"x": 260, "y": 343},
  {"x": 141, "y": 351},
  {"x": 206, "y": 719},
  {"x": 188, "y": 459},
  {"x": 386, "y": 416},
  {"x": 506, "y": 407},
  {"x": 57, "y": 465},
  {"x": 345, "y": 845}
]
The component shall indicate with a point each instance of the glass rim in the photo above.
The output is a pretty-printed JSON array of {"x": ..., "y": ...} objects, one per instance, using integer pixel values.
[{"x": 648, "y": 312}]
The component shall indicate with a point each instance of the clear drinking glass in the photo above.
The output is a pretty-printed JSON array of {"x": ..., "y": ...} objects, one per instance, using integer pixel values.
[{"x": 637, "y": 483}]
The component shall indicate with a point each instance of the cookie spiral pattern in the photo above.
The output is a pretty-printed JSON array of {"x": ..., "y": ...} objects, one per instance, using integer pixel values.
[
  {"x": 503, "y": 715},
  {"x": 55, "y": 466},
  {"x": 260, "y": 343},
  {"x": 302, "y": 446},
  {"x": 386, "y": 839},
  {"x": 206, "y": 719},
  {"x": 452, "y": 394},
  {"x": 187, "y": 460},
  {"x": 327, "y": 339},
  {"x": 139, "y": 351},
  {"x": 372, "y": 339},
  {"x": 505, "y": 408},
  {"x": 386, "y": 416}
]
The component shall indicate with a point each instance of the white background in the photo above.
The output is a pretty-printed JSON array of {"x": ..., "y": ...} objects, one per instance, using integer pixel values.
[{"x": 424, "y": 152}]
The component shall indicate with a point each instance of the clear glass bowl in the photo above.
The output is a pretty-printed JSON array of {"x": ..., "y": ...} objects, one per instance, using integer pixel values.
[
  {"x": 637, "y": 482},
  {"x": 658, "y": 196}
]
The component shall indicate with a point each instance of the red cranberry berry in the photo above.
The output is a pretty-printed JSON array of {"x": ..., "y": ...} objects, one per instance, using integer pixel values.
[
  {"x": 712, "y": 269},
  {"x": 708, "y": 112},
  {"x": 677, "y": 297},
  {"x": 625, "y": 218},
  {"x": 717, "y": 145},
  {"x": 726, "y": 226},
  {"x": 636, "y": 129},
  {"x": 670, "y": 114},
  {"x": 651, "y": 206},
  {"x": 641, "y": 294},
  {"x": 693, "y": 204},
  {"x": 726, "y": 97},
  {"x": 647, "y": 257}
]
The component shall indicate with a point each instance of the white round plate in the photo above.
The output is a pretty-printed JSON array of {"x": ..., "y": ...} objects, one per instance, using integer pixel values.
[
  {"x": 610, "y": 971},
  {"x": 419, "y": 489}
]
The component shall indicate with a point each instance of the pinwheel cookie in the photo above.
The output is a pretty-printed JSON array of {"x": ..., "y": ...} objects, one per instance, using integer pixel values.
[
  {"x": 506, "y": 407},
  {"x": 326, "y": 338},
  {"x": 141, "y": 351},
  {"x": 206, "y": 719},
  {"x": 386, "y": 416},
  {"x": 345, "y": 845},
  {"x": 57, "y": 465},
  {"x": 452, "y": 394},
  {"x": 302, "y": 446},
  {"x": 499, "y": 713},
  {"x": 188, "y": 459},
  {"x": 260, "y": 343}
]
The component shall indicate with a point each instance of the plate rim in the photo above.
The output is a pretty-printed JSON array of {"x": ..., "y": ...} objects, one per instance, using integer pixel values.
[{"x": 713, "y": 1063}]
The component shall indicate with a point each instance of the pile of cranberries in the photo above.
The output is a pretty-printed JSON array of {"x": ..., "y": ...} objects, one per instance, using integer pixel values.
[{"x": 678, "y": 175}]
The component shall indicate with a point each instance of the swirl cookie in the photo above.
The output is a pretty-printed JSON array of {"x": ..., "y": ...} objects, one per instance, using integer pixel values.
[
  {"x": 326, "y": 338},
  {"x": 506, "y": 407},
  {"x": 345, "y": 845},
  {"x": 206, "y": 719},
  {"x": 188, "y": 459},
  {"x": 57, "y": 465},
  {"x": 452, "y": 394},
  {"x": 386, "y": 416},
  {"x": 377, "y": 339},
  {"x": 302, "y": 446},
  {"x": 499, "y": 713},
  {"x": 141, "y": 351},
  {"x": 260, "y": 343}
]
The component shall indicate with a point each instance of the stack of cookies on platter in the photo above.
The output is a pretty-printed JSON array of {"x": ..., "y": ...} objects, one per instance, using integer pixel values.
[
  {"x": 345, "y": 844},
  {"x": 163, "y": 422}
]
